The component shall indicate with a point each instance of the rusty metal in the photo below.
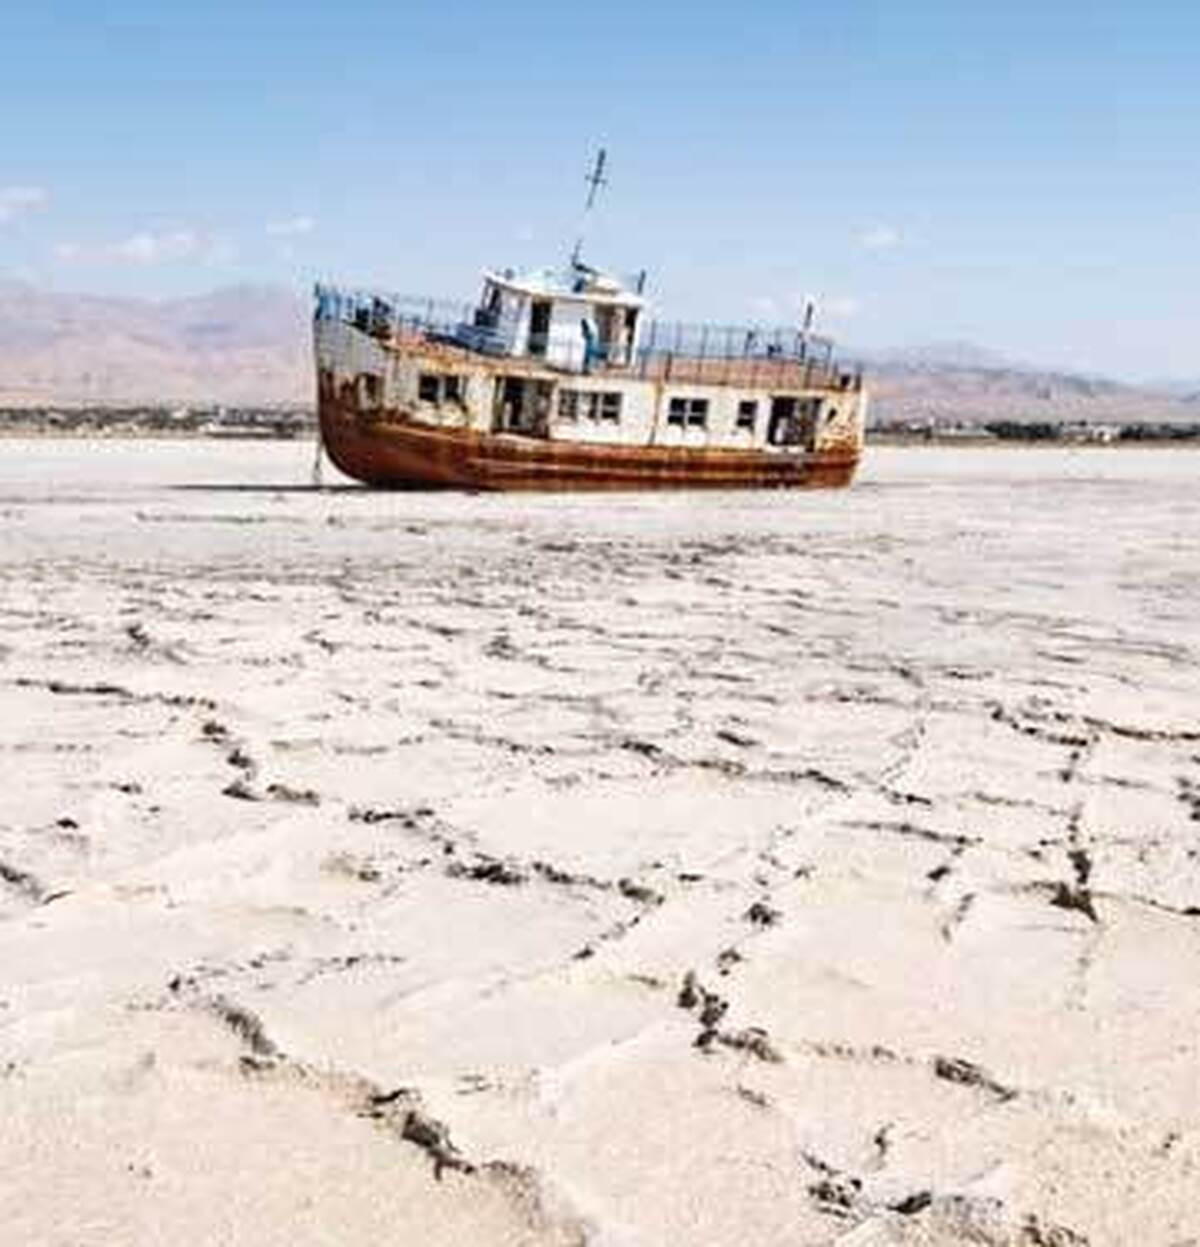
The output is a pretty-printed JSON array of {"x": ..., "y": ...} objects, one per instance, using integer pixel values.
[
  {"x": 391, "y": 449},
  {"x": 374, "y": 436}
]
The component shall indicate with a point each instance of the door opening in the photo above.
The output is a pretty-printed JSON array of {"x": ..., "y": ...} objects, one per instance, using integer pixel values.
[
  {"x": 522, "y": 406},
  {"x": 539, "y": 326},
  {"x": 783, "y": 428}
]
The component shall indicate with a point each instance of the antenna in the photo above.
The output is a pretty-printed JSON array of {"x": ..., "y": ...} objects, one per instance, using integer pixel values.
[{"x": 595, "y": 180}]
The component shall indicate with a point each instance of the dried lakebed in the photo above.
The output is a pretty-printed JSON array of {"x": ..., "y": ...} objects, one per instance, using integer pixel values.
[{"x": 767, "y": 869}]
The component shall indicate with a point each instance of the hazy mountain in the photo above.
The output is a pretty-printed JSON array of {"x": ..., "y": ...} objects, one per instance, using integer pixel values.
[
  {"x": 937, "y": 355},
  {"x": 246, "y": 344},
  {"x": 958, "y": 382},
  {"x": 251, "y": 344}
]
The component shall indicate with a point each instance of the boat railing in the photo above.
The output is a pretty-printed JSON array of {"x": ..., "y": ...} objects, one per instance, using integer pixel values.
[
  {"x": 384, "y": 315},
  {"x": 669, "y": 351}
]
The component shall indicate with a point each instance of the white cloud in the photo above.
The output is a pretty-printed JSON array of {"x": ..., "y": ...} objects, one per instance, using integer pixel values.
[
  {"x": 293, "y": 227},
  {"x": 145, "y": 248},
  {"x": 149, "y": 248},
  {"x": 880, "y": 238},
  {"x": 14, "y": 200}
]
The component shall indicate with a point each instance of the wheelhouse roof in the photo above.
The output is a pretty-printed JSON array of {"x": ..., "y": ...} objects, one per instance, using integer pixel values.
[{"x": 577, "y": 284}]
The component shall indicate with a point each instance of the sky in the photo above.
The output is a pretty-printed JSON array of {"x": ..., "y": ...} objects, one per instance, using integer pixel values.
[{"x": 1018, "y": 175}]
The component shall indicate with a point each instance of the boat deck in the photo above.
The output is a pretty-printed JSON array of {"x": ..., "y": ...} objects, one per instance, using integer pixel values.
[{"x": 747, "y": 372}]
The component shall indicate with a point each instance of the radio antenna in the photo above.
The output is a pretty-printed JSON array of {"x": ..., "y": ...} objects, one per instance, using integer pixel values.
[{"x": 595, "y": 180}]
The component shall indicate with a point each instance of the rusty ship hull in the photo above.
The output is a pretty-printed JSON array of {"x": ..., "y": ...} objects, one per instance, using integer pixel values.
[
  {"x": 388, "y": 449},
  {"x": 520, "y": 393}
]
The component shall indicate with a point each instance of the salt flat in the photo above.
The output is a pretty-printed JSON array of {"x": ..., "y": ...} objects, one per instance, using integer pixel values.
[{"x": 633, "y": 870}]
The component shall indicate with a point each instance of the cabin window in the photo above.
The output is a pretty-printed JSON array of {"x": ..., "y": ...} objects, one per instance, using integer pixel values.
[
  {"x": 437, "y": 389},
  {"x": 577, "y": 404},
  {"x": 747, "y": 414},
  {"x": 688, "y": 412},
  {"x": 589, "y": 405}
]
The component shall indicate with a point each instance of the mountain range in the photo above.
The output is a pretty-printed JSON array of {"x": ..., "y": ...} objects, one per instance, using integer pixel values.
[
  {"x": 241, "y": 345},
  {"x": 249, "y": 345}
]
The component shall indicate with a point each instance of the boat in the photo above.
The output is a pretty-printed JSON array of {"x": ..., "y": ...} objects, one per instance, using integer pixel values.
[{"x": 559, "y": 379}]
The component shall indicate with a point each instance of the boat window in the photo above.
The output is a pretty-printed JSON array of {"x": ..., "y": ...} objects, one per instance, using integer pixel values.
[
  {"x": 747, "y": 414},
  {"x": 441, "y": 388},
  {"x": 589, "y": 405},
  {"x": 689, "y": 412},
  {"x": 577, "y": 404}
]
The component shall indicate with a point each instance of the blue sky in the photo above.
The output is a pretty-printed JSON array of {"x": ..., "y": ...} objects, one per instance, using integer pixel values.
[{"x": 1018, "y": 175}]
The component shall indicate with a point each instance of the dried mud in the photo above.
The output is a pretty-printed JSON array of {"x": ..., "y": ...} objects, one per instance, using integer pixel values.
[{"x": 771, "y": 869}]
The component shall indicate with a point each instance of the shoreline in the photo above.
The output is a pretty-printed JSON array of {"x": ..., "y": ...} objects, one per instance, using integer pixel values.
[{"x": 308, "y": 434}]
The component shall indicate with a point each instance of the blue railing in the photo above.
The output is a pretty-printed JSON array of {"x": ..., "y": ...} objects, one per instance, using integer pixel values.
[{"x": 664, "y": 348}]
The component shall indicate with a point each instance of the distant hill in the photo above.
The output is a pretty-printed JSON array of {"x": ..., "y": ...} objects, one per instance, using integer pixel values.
[
  {"x": 965, "y": 384},
  {"x": 250, "y": 345},
  {"x": 246, "y": 344},
  {"x": 938, "y": 355}
]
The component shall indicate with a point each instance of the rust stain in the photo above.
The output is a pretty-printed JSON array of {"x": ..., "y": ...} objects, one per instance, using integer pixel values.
[{"x": 387, "y": 448}]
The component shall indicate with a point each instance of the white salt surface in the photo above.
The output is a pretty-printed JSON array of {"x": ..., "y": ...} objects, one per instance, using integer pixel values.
[{"x": 764, "y": 869}]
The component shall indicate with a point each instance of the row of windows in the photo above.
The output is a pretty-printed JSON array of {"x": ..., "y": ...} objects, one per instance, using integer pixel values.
[
  {"x": 693, "y": 413},
  {"x": 438, "y": 388},
  {"x": 596, "y": 405},
  {"x": 589, "y": 405}
]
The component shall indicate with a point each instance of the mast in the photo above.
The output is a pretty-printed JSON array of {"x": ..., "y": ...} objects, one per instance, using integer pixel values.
[{"x": 595, "y": 180}]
